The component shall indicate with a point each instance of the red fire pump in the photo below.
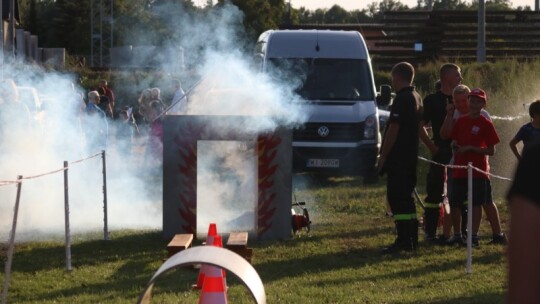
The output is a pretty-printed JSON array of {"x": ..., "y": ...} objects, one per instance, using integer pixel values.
[{"x": 300, "y": 217}]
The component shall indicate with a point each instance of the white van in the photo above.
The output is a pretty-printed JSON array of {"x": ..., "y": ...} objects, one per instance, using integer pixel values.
[{"x": 335, "y": 78}]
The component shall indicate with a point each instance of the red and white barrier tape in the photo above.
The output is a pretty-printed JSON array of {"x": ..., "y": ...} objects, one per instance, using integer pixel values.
[
  {"x": 89, "y": 157},
  {"x": 463, "y": 167},
  {"x": 6, "y": 183},
  {"x": 509, "y": 118},
  {"x": 43, "y": 174}
]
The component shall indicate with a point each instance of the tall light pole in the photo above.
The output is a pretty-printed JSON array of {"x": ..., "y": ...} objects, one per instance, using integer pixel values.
[
  {"x": 481, "y": 46},
  {"x": 289, "y": 9},
  {"x": 101, "y": 31}
]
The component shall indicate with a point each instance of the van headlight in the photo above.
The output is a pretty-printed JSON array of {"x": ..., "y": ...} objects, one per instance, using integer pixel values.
[{"x": 370, "y": 127}]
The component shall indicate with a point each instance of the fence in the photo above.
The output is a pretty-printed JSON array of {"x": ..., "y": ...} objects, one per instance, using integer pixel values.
[
  {"x": 469, "y": 169},
  {"x": 420, "y": 36},
  {"x": 19, "y": 182}
]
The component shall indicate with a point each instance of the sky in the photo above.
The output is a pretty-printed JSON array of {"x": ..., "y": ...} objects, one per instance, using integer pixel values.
[{"x": 361, "y": 4}]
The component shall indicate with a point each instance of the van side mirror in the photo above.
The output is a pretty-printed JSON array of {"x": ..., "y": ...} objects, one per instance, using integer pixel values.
[{"x": 385, "y": 96}]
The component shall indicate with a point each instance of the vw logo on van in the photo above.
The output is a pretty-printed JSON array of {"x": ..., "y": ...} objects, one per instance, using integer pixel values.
[{"x": 323, "y": 131}]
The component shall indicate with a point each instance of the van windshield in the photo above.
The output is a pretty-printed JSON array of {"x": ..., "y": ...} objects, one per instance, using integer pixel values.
[{"x": 325, "y": 78}]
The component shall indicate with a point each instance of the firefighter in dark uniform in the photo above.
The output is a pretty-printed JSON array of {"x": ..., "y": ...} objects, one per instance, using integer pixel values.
[
  {"x": 399, "y": 156},
  {"x": 434, "y": 114}
]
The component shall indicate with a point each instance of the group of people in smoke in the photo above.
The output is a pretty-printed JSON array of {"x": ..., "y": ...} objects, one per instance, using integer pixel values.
[
  {"x": 150, "y": 111},
  {"x": 462, "y": 133},
  {"x": 100, "y": 118}
]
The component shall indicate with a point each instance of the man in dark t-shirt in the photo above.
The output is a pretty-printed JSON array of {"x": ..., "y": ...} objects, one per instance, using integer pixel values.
[
  {"x": 434, "y": 114},
  {"x": 524, "y": 245},
  {"x": 399, "y": 156}
]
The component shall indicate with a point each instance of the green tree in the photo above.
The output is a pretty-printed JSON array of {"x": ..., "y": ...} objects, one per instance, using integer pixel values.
[
  {"x": 494, "y": 5},
  {"x": 359, "y": 16},
  {"x": 259, "y": 15},
  {"x": 450, "y": 5},
  {"x": 376, "y": 9},
  {"x": 32, "y": 16},
  {"x": 336, "y": 14},
  {"x": 58, "y": 23}
]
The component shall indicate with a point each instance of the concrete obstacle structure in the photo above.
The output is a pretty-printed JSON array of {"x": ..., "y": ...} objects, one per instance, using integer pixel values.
[
  {"x": 185, "y": 142},
  {"x": 215, "y": 256}
]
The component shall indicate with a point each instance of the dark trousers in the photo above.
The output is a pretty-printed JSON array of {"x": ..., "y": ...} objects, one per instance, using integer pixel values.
[
  {"x": 435, "y": 190},
  {"x": 401, "y": 181},
  {"x": 436, "y": 177}
]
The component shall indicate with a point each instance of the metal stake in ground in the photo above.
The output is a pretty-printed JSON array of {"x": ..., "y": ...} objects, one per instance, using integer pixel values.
[
  {"x": 7, "y": 272},
  {"x": 66, "y": 218},
  {"x": 469, "y": 217},
  {"x": 105, "y": 220}
]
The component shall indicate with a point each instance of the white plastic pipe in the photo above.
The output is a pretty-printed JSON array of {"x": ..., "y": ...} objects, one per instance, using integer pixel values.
[{"x": 215, "y": 256}]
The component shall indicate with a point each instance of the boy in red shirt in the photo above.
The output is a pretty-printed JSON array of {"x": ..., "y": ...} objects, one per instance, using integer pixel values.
[{"x": 474, "y": 138}]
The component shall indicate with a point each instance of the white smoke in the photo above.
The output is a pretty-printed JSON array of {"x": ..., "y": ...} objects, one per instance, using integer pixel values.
[
  {"x": 232, "y": 85},
  {"x": 214, "y": 49},
  {"x": 39, "y": 143},
  {"x": 226, "y": 186}
]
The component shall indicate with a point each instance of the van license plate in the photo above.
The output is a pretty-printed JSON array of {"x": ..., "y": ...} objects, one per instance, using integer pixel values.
[{"x": 322, "y": 163}]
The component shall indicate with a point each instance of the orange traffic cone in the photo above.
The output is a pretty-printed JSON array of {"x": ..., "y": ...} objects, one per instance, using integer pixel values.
[
  {"x": 212, "y": 233},
  {"x": 218, "y": 242},
  {"x": 213, "y": 290}
]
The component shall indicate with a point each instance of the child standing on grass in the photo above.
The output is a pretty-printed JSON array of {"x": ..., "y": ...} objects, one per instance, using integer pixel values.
[
  {"x": 458, "y": 109},
  {"x": 474, "y": 138},
  {"x": 529, "y": 132}
]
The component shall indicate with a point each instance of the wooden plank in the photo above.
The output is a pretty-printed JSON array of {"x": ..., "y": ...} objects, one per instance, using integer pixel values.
[
  {"x": 237, "y": 242},
  {"x": 237, "y": 239},
  {"x": 178, "y": 243}
]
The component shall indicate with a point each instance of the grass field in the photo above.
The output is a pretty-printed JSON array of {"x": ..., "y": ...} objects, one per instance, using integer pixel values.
[{"x": 339, "y": 262}]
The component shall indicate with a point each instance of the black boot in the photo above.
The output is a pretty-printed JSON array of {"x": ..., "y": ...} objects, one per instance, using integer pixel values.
[
  {"x": 431, "y": 221},
  {"x": 413, "y": 231},
  {"x": 403, "y": 240}
]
